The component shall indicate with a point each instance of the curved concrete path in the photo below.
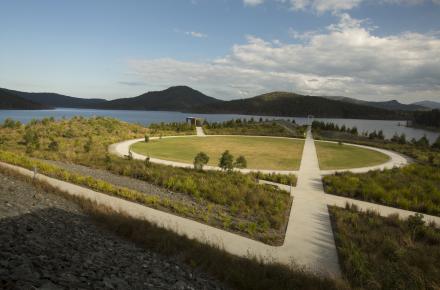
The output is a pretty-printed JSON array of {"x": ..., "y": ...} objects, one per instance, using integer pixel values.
[
  {"x": 395, "y": 159},
  {"x": 122, "y": 149},
  {"x": 309, "y": 237}
]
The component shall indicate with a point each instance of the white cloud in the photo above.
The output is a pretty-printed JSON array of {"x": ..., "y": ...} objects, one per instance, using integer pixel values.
[
  {"x": 344, "y": 59},
  {"x": 322, "y": 6},
  {"x": 252, "y": 2},
  {"x": 196, "y": 34}
]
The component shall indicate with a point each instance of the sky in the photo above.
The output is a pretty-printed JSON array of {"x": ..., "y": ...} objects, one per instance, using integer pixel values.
[{"x": 229, "y": 49}]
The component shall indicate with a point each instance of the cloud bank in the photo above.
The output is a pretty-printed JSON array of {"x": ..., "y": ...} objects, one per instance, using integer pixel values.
[{"x": 344, "y": 59}]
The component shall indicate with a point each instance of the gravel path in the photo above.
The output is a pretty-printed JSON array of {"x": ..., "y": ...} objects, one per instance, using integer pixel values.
[{"x": 47, "y": 242}]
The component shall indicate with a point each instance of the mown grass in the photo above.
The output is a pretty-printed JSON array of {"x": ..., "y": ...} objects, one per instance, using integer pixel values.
[
  {"x": 260, "y": 152},
  {"x": 386, "y": 252},
  {"x": 414, "y": 187},
  {"x": 343, "y": 156},
  {"x": 238, "y": 273}
]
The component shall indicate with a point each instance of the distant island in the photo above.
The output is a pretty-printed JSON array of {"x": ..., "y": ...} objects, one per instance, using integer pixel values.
[{"x": 186, "y": 99}]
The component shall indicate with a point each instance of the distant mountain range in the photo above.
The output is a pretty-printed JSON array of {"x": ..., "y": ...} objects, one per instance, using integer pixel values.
[
  {"x": 179, "y": 98},
  {"x": 56, "y": 100},
  {"x": 186, "y": 99},
  {"x": 428, "y": 104},
  {"x": 11, "y": 101},
  {"x": 388, "y": 105}
]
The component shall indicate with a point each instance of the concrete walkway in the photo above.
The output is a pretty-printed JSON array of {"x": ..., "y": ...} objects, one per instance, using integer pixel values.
[
  {"x": 309, "y": 237},
  {"x": 395, "y": 159},
  {"x": 200, "y": 132},
  {"x": 122, "y": 149}
]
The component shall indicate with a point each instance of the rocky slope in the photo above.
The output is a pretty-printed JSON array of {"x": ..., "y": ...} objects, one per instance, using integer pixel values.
[{"x": 47, "y": 242}]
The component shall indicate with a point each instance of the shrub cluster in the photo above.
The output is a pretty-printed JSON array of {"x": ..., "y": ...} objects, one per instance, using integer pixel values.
[
  {"x": 252, "y": 127},
  {"x": 286, "y": 179},
  {"x": 386, "y": 253},
  {"x": 415, "y": 187}
]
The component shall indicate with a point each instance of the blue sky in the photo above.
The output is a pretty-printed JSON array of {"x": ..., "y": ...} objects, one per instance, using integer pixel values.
[{"x": 375, "y": 50}]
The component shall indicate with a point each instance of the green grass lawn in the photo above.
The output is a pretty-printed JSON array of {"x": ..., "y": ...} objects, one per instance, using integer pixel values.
[
  {"x": 335, "y": 156},
  {"x": 260, "y": 152}
]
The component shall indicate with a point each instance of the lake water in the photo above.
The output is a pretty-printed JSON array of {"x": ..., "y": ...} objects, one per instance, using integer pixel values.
[{"x": 146, "y": 117}]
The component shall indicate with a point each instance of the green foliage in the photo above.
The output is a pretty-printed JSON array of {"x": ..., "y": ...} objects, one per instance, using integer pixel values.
[
  {"x": 88, "y": 144},
  {"x": 386, "y": 253},
  {"x": 147, "y": 138},
  {"x": 415, "y": 187},
  {"x": 226, "y": 161},
  {"x": 240, "y": 162},
  {"x": 251, "y": 127},
  {"x": 173, "y": 128},
  {"x": 10, "y": 123},
  {"x": 286, "y": 179},
  {"x": 235, "y": 195},
  {"x": 53, "y": 145},
  {"x": 427, "y": 118},
  {"x": 200, "y": 160}
]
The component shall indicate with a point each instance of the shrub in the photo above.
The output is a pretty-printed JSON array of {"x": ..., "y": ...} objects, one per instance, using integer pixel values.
[
  {"x": 200, "y": 160},
  {"x": 226, "y": 161},
  {"x": 240, "y": 162},
  {"x": 147, "y": 138},
  {"x": 53, "y": 145}
]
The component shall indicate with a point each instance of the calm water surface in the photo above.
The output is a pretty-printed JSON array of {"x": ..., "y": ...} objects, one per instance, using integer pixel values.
[{"x": 146, "y": 117}]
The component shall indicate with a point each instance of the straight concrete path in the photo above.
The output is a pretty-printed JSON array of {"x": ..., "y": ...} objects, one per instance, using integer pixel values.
[
  {"x": 200, "y": 132},
  {"x": 309, "y": 239}
]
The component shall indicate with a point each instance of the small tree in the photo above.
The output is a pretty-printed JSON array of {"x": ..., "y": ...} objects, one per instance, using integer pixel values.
[
  {"x": 200, "y": 160},
  {"x": 240, "y": 162},
  {"x": 147, "y": 138},
  {"x": 88, "y": 145},
  {"x": 53, "y": 145},
  {"x": 436, "y": 144},
  {"x": 226, "y": 161}
]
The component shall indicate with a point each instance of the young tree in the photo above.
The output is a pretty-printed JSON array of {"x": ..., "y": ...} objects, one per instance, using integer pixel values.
[
  {"x": 200, "y": 160},
  {"x": 53, "y": 145},
  {"x": 240, "y": 162},
  {"x": 423, "y": 142},
  {"x": 147, "y": 138},
  {"x": 226, "y": 161},
  {"x": 436, "y": 144}
]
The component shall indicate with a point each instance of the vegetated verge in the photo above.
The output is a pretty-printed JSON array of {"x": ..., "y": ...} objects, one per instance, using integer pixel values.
[
  {"x": 386, "y": 252},
  {"x": 239, "y": 273},
  {"x": 262, "y": 225},
  {"x": 260, "y": 127},
  {"x": 231, "y": 201},
  {"x": 414, "y": 187}
]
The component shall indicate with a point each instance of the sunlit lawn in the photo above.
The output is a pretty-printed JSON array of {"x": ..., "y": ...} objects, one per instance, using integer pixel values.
[
  {"x": 336, "y": 156},
  {"x": 260, "y": 152}
]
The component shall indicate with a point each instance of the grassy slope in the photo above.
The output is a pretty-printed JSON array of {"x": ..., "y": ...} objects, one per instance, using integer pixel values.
[
  {"x": 386, "y": 253},
  {"x": 261, "y": 153},
  {"x": 335, "y": 156}
]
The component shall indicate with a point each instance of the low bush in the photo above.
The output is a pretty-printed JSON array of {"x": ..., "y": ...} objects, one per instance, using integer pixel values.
[
  {"x": 286, "y": 179},
  {"x": 386, "y": 252},
  {"x": 415, "y": 187}
]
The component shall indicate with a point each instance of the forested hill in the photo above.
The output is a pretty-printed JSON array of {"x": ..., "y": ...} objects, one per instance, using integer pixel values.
[
  {"x": 291, "y": 104},
  {"x": 10, "y": 101},
  {"x": 178, "y": 98},
  {"x": 428, "y": 119},
  {"x": 56, "y": 100}
]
